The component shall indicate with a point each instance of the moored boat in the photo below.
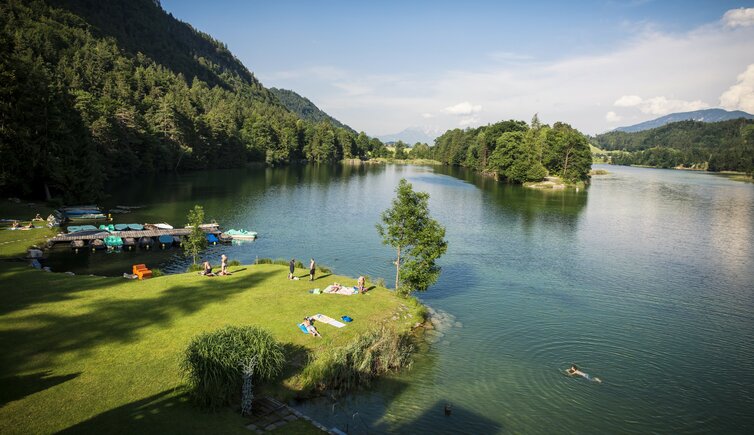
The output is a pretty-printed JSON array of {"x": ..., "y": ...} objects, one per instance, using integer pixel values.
[
  {"x": 242, "y": 234},
  {"x": 113, "y": 242},
  {"x": 77, "y": 245},
  {"x": 129, "y": 242},
  {"x": 96, "y": 244},
  {"x": 165, "y": 241},
  {"x": 146, "y": 242}
]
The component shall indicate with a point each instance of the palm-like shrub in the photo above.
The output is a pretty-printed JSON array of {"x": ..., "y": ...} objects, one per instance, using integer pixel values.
[{"x": 214, "y": 362}]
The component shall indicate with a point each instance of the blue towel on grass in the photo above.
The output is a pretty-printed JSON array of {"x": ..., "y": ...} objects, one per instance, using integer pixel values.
[
  {"x": 346, "y": 319},
  {"x": 302, "y": 328}
]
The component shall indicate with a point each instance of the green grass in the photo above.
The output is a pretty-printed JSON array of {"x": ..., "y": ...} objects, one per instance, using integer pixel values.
[{"x": 95, "y": 354}]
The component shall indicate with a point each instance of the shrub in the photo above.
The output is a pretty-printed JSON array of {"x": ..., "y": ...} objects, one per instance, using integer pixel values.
[
  {"x": 214, "y": 362},
  {"x": 371, "y": 354},
  {"x": 194, "y": 268},
  {"x": 234, "y": 263},
  {"x": 324, "y": 269},
  {"x": 157, "y": 272}
]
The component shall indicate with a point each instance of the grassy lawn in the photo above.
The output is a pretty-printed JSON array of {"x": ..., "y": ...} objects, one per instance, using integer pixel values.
[{"x": 94, "y": 354}]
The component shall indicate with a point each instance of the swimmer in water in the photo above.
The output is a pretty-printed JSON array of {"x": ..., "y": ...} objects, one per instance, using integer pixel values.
[{"x": 574, "y": 371}]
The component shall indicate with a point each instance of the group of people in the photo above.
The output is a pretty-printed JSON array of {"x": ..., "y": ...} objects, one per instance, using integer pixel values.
[
  {"x": 207, "y": 267},
  {"x": 292, "y": 268}
]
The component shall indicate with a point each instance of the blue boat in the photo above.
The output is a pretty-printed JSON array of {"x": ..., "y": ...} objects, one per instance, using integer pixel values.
[
  {"x": 165, "y": 241},
  {"x": 135, "y": 227},
  {"x": 211, "y": 238},
  {"x": 121, "y": 227}
]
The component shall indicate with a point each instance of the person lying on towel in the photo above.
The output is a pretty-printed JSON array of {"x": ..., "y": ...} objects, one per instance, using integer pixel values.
[{"x": 309, "y": 323}]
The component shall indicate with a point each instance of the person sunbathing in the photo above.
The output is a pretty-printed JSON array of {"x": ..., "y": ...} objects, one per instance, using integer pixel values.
[
  {"x": 574, "y": 371},
  {"x": 309, "y": 324},
  {"x": 207, "y": 269}
]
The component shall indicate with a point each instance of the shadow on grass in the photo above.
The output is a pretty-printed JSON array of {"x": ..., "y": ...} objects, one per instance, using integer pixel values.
[
  {"x": 44, "y": 335},
  {"x": 17, "y": 387},
  {"x": 325, "y": 275}
]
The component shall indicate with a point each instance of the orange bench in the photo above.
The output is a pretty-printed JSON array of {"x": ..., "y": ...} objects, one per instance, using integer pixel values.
[{"x": 141, "y": 271}]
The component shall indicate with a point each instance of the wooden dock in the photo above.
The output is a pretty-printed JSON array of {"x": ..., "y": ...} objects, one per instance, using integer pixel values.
[{"x": 67, "y": 238}]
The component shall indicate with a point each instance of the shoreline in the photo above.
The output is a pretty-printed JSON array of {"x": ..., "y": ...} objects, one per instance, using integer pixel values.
[{"x": 92, "y": 315}]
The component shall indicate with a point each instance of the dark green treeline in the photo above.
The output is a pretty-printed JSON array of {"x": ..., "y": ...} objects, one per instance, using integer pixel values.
[
  {"x": 518, "y": 152},
  {"x": 95, "y": 91},
  {"x": 716, "y": 146}
]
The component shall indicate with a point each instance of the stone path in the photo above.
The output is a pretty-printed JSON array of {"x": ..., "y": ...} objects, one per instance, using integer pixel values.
[{"x": 268, "y": 414}]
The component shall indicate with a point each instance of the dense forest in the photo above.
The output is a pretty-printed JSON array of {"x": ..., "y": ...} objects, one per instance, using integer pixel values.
[
  {"x": 715, "y": 146},
  {"x": 305, "y": 109},
  {"x": 518, "y": 152},
  {"x": 90, "y": 93}
]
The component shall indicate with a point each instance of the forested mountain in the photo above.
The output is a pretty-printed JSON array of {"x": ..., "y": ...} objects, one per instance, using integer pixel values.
[
  {"x": 706, "y": 115},
  {"x": 304, "y": 108},
  {"x": 518, "y": 152},
  {"x": 716, "y": 146},
  {"x": 93, "y": 91}
]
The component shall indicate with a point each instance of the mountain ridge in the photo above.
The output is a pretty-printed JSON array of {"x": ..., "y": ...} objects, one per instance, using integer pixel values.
[
  {"x": 305, "y": 108},
  {"x": 703, "y": 115}
]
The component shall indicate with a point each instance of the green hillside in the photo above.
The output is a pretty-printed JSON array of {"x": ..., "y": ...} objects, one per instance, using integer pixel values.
[
  {"x": 305, "y": 109},
  {"x": 716, "y": 146},
  {"x": 92, "y": 92}
]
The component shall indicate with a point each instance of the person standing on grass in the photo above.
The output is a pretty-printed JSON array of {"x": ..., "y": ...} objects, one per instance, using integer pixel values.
[
  {"x": 291, "y": 268},
  {"x": 312, "y": 267}
]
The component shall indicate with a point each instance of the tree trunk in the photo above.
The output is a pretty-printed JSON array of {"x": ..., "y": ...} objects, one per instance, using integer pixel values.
[
  {"x": 48, "y": 197},
  {"x": 397, "y": 268},
  {"x": 565, "y": 165}
]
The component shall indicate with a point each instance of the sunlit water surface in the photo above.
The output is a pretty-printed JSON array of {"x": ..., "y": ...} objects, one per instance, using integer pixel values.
[{"x": 646, "y": 280}]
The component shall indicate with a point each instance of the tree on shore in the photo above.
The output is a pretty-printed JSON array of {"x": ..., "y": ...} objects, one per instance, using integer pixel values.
[
  {"x": 197, "y": 239},
  {"x": 418, "y": 239}
]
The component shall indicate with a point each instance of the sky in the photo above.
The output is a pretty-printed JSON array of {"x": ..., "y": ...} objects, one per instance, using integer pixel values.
[{"x": 384, "y": 66}]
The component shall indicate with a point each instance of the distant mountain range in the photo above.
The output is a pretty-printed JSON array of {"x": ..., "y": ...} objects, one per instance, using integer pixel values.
[
  {"x": 413, "y": 135},
  {"x": 304, "y": 108},
  {"x": 706, "y": 115}
]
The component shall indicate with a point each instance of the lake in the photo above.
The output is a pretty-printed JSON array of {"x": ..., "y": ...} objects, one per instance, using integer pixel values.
[{"x": 645, "y": 280}]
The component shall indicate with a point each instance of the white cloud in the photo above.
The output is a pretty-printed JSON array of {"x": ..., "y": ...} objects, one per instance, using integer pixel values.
[
  {"x": 628, "y": 101},
  {"x": 658, "y": 105},
  {"x": 463, "y": 109},
  {"x": 612, "y": 117},
  {"x": 741, "y": 95},
  {"x": 427, "y": 115},
  {"x": 742, "y": 17},
  {"x": 663, "y": 106},
  {"x": 654, "y": 73}
]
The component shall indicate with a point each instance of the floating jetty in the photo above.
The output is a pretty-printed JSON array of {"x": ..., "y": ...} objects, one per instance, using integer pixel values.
[{"x": 127, "y": 234}]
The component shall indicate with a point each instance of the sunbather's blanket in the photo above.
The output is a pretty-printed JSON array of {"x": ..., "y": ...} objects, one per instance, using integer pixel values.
[
  {"x": 329, "y": 320},
  {"x": 302, "y": 327},
  {"x": 343, "y": 290}
]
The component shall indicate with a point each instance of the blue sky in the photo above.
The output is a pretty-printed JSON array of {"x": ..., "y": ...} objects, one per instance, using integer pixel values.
[{"x": 384, "y": 66}]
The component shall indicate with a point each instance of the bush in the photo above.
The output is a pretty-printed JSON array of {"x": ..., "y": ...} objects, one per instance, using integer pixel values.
[
  {"x": 194, "y": 268},
  {"x": 371, "y": 354},
  {"x": 214, "y": 361},
  {"x": 234, "y": 263},
  {"x": 157, "y": 272}
]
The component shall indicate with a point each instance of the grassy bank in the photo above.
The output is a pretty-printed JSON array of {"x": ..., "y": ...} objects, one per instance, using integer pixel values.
[
  {"x": 95, "y": 354},
  {"x": 404, "y": 161},
  {"x": 555, "y": 183}
]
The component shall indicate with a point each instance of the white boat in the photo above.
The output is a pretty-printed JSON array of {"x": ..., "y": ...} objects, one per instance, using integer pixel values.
[{"x": 241, "y": 234}]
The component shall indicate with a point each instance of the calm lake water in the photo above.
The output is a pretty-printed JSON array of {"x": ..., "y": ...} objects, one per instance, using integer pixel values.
[{"x": 646, "y": 280}]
